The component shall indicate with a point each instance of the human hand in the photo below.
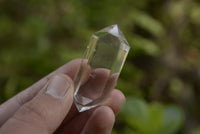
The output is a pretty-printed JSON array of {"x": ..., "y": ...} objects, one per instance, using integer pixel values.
[{"x": 47, "y": 107}]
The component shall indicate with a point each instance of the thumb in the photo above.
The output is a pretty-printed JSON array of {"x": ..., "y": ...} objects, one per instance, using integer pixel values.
[{"x": 46, "y": 111}]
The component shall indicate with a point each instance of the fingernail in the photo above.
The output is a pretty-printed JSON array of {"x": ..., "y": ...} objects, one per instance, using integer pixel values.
[{"x": 58, "y": 86}]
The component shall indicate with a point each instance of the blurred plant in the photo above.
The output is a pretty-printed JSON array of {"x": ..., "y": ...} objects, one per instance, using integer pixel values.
[
  {"x": 153, "y": 118},
  {"x": 162, "y": 68}
]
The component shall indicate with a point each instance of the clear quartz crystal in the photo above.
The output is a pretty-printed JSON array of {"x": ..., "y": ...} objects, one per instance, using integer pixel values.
[{"x": 100, "y": 67}]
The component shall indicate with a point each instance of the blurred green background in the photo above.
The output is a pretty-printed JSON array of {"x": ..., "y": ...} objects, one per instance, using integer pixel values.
[{"x": 161, "y": 77}]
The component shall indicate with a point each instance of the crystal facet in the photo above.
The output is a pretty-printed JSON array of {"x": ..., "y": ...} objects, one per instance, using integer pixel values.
[{"x": 100, "y": 67}]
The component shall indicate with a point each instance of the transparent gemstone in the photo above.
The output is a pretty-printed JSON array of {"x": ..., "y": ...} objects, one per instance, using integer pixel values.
[{"x": 100, "y": 67}]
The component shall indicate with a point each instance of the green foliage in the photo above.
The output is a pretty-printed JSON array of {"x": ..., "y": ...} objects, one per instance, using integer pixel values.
[
  {"x": 152, "y": 118},
  {"x": 153, "y": 26},
  {"x": 196, "y": 131},
  {"x": 147, "y": 47},
  {"x": 160, "y": 77}
]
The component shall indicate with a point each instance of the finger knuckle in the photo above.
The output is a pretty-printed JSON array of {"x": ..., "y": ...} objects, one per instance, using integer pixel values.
[{"x": 31, "y": 112}]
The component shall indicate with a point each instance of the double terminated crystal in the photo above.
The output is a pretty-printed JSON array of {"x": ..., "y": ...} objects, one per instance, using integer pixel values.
[{"x": 100, "y": 67}]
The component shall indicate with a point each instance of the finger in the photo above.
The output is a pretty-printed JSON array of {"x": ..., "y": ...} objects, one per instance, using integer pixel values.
[
  {"x": 115, "y": 101},
  {"x": 70, "y": 124},
  {"x": 45, "y": 112},
  {"x": 95, "y": 84},
  {"x": 76, "y": 124},
  {"x": 100, "y": 122},
  {"x": 9, "y": 107}
]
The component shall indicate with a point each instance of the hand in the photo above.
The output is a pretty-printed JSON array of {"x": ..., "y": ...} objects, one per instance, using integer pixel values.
[{"x": 47, "y": 107}]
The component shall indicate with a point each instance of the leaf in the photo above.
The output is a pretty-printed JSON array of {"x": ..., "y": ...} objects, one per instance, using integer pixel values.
[
  {"x": 135, "y": 112},
  {"x": 33, "y": 27},
  {"x": 6, "y": 26},
  {"x": 195, "y": 14},
  {"x": 148, "y": 23},
  {"x": 153, "y": 118},
  {"x": 140, "y": 44},
  {"x": 196, "y": 131},
  {"x": 173, "y": 119},
  {"x": 67, "y": 54},
  {"x": 10, "y": 87}
]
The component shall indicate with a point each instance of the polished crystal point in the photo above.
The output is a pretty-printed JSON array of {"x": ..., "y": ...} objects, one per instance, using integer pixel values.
[{"x": 100, "y": 67}]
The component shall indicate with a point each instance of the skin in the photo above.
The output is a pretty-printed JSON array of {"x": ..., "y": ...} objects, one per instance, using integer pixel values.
[{"x": 35, "y": 110}]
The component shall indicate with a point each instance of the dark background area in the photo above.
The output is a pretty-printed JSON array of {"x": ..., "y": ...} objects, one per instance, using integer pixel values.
[{"x": 161, "y": 77}]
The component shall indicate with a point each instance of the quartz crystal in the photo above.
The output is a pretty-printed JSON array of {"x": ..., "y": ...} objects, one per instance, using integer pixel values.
[{"x": 100, "y": 67}]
